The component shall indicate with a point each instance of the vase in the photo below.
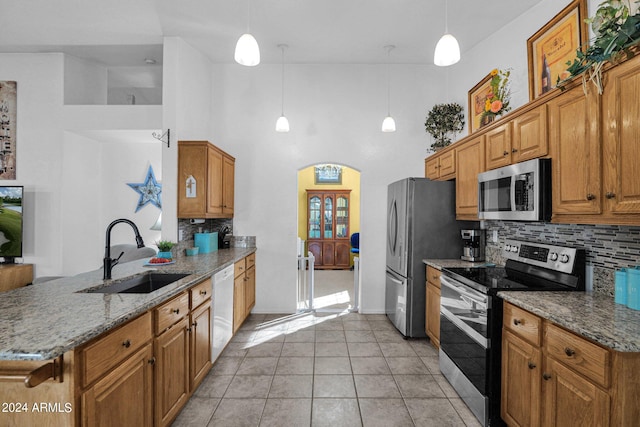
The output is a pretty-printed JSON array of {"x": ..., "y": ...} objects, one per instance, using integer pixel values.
[{"x": 486, "y": 119}]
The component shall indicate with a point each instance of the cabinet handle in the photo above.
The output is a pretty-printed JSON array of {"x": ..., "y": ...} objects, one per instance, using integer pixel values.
[
  {"x": 517, "y": 322},
  {"x": 203, "y": 292},
  {"x": 152, "y": 361},
  {"x": 546, "y": 376},
  {"x": 610, "y": 195},
  {"x": 126, "y": 344},
  {"x": 504, "y": 153},
  {"x": 514, "y": 150},
  {"x": 590, "y": 196},
  {"x": 176, "y": 311},
  {"x": 531, "y": 365},
  {"x": 569, "y": 351}
]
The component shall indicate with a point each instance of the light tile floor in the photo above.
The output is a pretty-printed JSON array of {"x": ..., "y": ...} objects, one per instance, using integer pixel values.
[{"x": 325, "y": 369}]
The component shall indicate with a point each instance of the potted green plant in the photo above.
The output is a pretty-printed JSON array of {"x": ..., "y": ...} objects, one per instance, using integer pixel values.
[
  {"x": 164, "y": 249},
  {"x": 443, "y": 122}
]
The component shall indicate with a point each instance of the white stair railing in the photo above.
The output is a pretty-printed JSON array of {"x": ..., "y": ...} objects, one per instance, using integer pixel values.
[{"x": 306, "y": 267}]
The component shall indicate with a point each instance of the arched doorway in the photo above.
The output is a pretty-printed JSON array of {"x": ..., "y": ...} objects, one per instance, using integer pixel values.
[{"x": 328, "y": 219}]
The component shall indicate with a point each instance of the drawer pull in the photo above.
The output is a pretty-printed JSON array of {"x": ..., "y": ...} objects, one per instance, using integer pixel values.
[
  {"x": 126, "y": 344},
  {"x": 176, "y": 311},
  {"x": 152, "y": 361},
  {"x": 517, "y": 322},
  {"x": 591, "y": 196},
  {"x": 514, "y": 150},
  {"x": 531, "y": 365},
  {"x": 546, "y": 376},
  {"x": 203, "y": 292},
  {"x": 610, "y": 195},
  {"x": 504, "y": 153},
  {"x": 569, "y": 352}
]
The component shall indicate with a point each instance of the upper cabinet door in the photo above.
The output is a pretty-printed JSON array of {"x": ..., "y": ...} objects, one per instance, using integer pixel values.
[
  {"x": 621, "y": 138},
  {"x": 214, "y": 196},
  {"x": 328, "y": 217},
  {"x": 530, "y": 135},
  {"x": 314, "y": 217},
  {"x": 575, "y": 152},
  {"x": 342, "y": 216},
  {"x": 498, "y": 146},
  {"x": 469, "y": 163}
]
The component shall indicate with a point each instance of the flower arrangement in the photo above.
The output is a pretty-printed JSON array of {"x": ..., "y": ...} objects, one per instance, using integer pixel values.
[
  {"x": 497, "y": 101},
  {"x": 616, "y": 30},
  {"x": 442, "y": 121}
]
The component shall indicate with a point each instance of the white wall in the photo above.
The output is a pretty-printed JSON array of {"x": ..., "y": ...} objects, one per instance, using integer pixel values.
[
  {"x": 187, "y": 100},
  {"x": 335, "y": 112},
  {"x": 85, "y": 82}
]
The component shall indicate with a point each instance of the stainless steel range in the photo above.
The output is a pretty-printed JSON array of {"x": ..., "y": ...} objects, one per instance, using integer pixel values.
[{"x": 471, "y": 316}]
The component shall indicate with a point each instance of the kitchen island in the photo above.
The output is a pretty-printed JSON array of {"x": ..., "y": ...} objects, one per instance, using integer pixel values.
[{"x": 105, "y": 349}]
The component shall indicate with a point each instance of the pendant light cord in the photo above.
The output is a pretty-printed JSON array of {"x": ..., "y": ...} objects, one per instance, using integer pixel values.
[
  {"x": 389, "y": 79},
  {"x": 282, "y": 47},
  {"x": 446, "y": 16},
  {"x": 248, "y": 16}
]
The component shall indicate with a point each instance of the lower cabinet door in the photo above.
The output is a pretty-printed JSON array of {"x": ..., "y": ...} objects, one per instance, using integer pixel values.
[
  {"x": 316, "y": 249},
  {"x": 328, "y": 253},
  {"x": 200, "y": 344},
  {"x": 125, "y": 396},
  {"x": 172, "y": 372},
  {"x": 343, "y": 254},
  {"x": 571, "y": 400},
  {"x": 521, "y": 370}
]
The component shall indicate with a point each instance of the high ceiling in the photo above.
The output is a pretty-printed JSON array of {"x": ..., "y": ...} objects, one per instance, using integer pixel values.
[{"x": 320, "y": 31}]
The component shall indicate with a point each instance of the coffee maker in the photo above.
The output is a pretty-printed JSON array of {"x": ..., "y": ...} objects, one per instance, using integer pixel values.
[{"x": 473, "y": 245}]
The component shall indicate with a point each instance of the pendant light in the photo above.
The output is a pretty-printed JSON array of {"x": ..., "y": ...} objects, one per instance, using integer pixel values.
[
  {"x": 247, "y": 50},
  {"x": 388, "y": 124},
  {"x": 447, "y": 50},
  {"x": 282, "y": 125}
]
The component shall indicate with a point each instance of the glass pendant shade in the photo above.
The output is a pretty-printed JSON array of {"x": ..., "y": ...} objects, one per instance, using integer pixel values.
[
  {"x": 282, "y": 125},
  {"x": 247, "y": 51},
  {"x": 388, "y": 124},
  {"x": 447, "y": 51}
]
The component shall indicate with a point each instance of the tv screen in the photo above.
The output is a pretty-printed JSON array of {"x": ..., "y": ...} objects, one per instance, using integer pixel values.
[{"x": 11, "y": 222}]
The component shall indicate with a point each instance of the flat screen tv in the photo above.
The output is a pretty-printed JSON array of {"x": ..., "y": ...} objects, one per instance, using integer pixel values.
[{"x": 11, "y": 222}]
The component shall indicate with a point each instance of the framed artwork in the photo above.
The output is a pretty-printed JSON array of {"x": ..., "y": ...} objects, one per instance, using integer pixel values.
[
  {"x": 477, "y": 97},
  {"x": 8, "y": 112},
  {"x": 553, "y": 45},
  {"x": 328, "y": 174}
]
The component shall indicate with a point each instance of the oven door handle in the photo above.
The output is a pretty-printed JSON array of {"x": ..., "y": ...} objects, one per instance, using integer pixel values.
[
  {"x": 476, "y": 297},
  {"x": 468, "y": 330}
]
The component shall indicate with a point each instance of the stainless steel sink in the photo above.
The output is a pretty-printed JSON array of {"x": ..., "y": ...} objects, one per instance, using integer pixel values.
[{"x": 142, "y": 284}]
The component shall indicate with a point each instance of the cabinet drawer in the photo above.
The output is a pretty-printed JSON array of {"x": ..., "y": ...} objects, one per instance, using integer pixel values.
[
  {"x": 524, "y": 324},
  {"x": 433, "y": 276},
  {"x": 250, "y": 261},
  {"x": 584, "y": 357},
  {"x": 171, "y": 312},
  {"x": 107, "y": 352},
  {"x": 200, "y": 293},
  {"x": 239, "y": 267}
]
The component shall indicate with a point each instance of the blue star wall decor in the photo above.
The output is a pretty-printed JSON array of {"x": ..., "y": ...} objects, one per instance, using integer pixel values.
[{"x": 149, "y": 191}]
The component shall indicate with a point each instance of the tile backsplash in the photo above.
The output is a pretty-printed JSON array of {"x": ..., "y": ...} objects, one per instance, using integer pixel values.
[{"x": 608, "y": 247}]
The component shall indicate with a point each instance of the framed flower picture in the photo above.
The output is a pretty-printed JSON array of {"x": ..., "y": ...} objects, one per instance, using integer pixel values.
[
  {"x": 477, "y": 100},
  {"x": 555, "y": 44}
]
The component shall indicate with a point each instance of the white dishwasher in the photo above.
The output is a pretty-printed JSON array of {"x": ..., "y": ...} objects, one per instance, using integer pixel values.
[{"x": 222, "y": 319}]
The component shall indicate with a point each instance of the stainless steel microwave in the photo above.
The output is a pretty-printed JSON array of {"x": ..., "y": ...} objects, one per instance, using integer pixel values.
[{"x": 520, "y": 192}]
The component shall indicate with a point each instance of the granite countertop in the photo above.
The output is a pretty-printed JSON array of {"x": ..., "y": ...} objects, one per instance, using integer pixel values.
[
  {"x": 44, "y": 321},
  {"x": 453, "y": 263},
  {"x": 593, "y": 316}
]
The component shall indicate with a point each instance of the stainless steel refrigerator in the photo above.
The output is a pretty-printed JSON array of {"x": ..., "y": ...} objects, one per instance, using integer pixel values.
[{"x": 421, "y": 224}]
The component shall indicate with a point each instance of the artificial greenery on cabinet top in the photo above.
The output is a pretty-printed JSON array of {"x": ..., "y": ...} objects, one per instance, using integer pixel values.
[{"x": 443, "y": 122}]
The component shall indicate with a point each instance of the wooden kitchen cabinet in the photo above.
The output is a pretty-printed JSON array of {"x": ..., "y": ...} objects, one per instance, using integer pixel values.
[
  {"x": 200, "y": 333},
  {"x": 124, "y": 397},
  {"x": 244, "y": 290},
  {"x": 328, "y": 237},
  {"x": 14, "y": 276},
  {"x": 205, "y": 181},
  {"x": 554, "y": 377},
  {"x": 470, "y": 161},
  {"x": 432, "y": 315},
  {"x": 441, "y": 167},
  {"x": 530, "y": 137},
  {"x": 621, "y": 150},
  {"x": 498, "y": 146},
  {"x": 575, "y": 153},
  {"x": 171, "y": 348}
]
